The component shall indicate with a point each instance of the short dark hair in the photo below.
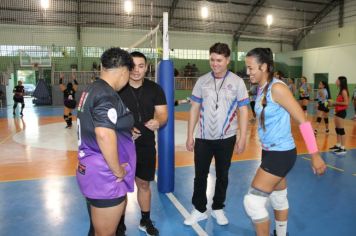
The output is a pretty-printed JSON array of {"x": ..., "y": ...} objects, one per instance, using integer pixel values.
[
  {"x": 220, "y": 48},
  {"x": 116, "y": 57},
  {"x": 139, "y": 54}
]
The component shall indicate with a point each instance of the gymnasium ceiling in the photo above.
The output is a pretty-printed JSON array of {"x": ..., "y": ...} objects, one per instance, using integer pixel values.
[{"x": 242, "y": 18}]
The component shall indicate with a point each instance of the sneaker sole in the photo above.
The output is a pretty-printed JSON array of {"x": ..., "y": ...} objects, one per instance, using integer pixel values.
[{"x": 143, "y": 229}]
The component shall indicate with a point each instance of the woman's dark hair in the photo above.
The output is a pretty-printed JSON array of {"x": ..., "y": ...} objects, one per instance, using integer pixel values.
[
  {"x": 139, "y": 54},
  {"x": 343, "y": 84},
  {"x": 263, "y": 55},
  {"x": 326, "y": 86},
  {"x": 220, "y": 48},
  {"x": 69, "y": 86},
  {"x": 115, "y": 58}
]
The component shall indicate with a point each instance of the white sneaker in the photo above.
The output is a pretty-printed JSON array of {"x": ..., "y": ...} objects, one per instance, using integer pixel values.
[
  {"x": 195, "y": 217},
  {"x": 220, "y": 217}
]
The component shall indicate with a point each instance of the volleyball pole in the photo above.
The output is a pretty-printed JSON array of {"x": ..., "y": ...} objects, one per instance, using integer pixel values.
[{"x": 165, "y": 179}]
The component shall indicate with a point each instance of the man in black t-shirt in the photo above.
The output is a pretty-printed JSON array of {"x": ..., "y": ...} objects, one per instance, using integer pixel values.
[
  {"x": 19, "y": 92},
  {"x": 146, "y": 100}
]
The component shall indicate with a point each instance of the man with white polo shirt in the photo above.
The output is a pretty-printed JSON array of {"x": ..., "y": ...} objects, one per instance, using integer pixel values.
[{"x": 219, "y": 104}]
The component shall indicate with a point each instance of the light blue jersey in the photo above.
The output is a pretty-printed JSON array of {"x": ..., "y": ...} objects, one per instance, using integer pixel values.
[
  {"x": 278, "y": 135},
  {"x": 324, "y": 97}
]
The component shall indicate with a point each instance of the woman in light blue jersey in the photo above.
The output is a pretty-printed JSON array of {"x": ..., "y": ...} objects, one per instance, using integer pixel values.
[
  {"x": 304, "y": 94},
  {"x": 323, "y": 106},
  {"x": 274, "y": 106}
]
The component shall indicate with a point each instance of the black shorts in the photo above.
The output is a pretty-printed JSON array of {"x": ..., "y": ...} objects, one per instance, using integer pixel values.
[
  {"x": 278, "y": 163},
  {"x": 19, "y": 99},
  {"x": 322, "y": 107},
  {"x": 146, "y": 162},
  {"x": 341, "y": 114},
  {"x": 70, "y": 104},
  {"x": 103, "y": 203},
  {"x": 304, "y": 98}
]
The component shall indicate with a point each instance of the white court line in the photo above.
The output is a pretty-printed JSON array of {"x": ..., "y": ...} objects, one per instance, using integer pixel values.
[{"x": 199, "y": 230}]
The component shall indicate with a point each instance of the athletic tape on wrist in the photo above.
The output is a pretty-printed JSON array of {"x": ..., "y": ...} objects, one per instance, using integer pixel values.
[{"x": 308, "y": 136}]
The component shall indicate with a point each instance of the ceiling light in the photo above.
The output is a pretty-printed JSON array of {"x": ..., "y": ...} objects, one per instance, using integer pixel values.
[
  {"x": 128, "y": 6},
  {"x": 269, "y": 20},
  {"x": 45, "y": 4},
  {"x": 204, "y": 12}
]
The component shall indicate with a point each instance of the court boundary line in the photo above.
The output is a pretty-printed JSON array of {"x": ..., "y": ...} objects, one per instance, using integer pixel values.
[
  {"x": 328, "y": 165},
  {"x": 184, "y": 212}
]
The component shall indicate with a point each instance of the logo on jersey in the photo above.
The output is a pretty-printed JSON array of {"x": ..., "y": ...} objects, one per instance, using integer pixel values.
[
  {"x": 81, "y": 168},
  {"x": 112, "y": 115},
  {"x": 83, "y": 98}
]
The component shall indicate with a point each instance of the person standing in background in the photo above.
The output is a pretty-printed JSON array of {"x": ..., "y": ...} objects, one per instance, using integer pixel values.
[
  {"x": 323, "y": 106},
  {"x": 68, "y": 98},
  {"x": 341, "y": 104},
  {"x": 19, "y": 92},
  {"x": 304, "y": 94}
]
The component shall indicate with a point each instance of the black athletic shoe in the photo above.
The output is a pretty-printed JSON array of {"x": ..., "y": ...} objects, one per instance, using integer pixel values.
[
  {"x": 148, "y": 227},
  {"x": 334, "y": 148},
  {"x": 275, "y": 233}
]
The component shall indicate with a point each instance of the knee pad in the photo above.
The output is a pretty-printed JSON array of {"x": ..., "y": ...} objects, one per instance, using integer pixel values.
[
  {"x": 341, "y": 131},
  {"x": 70, "y": 114},
  {"x": 279, "y": 200},
  {"x": 304, "y": 108},
  {"x": 337, "y": 130},
  {"x": 326, "y": 120},
  {"x": 23, "y": 105},
  {"x": 318, "y": 119},
  {"x": 255, "y": 206},
  {"x": 65, "y": 117}
]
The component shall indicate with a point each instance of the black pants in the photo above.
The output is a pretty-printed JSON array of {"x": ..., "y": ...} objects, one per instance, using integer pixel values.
[{"x": 204, "y": 151}]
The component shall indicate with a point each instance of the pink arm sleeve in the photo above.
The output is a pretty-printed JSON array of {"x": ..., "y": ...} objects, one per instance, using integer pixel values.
[{"x": 308, "y": 136}]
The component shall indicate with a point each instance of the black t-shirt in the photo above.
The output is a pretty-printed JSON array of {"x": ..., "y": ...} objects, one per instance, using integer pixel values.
[
  {"x": 142, "y": 101},
  {"x": 69, "y": 94},
  {"x": 101, "y": 106},
  {"x": 19, "y": 89}
]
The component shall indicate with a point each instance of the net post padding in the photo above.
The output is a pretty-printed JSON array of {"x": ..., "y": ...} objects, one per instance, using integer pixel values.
[{"x": 165, "y": 180}]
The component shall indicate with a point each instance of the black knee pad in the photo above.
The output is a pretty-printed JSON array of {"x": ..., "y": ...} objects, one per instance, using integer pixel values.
[
  {"x": 304, "y": 108},
  {"x": 318, "y": 119},
  {"x": 22, "y": 105},
  {"x": 70, "y": 114},
  {"x": 326, "y": 120},
  {"x": 337, "y": 130},
  {"x": 65, "y": 117},
  {"x": 342, "y": 131}
]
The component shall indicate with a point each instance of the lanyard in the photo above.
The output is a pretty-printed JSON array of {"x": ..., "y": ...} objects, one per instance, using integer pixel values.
[
  {"x": 217, "y": 91},
  {"x": 137, "y": 99}
]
